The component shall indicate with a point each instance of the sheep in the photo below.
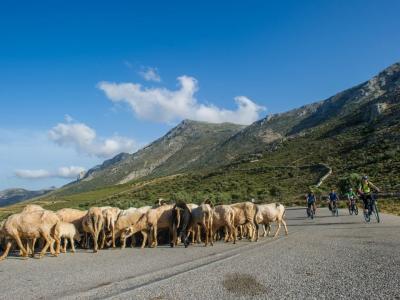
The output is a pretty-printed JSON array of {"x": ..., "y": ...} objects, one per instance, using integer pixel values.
[
  {"x": 244, "y": 215},
  {"x": 181, "y": 221},
  {"x": 92, "y": 223},
  {"x": 110, "y": 215},
  {"x": 31, "y": 208},
  {"x": 68, "y": 231},
  {"x": 71, "y": 215},
  {"x": 30, "y": 244},
  {"x": 224, "y": 216},
  {"x": 142, "y": 225},
  {"x": 125, "y": 212},
  {"x": 159, "y": 218},
  {"x": 268, "y": 213},
  {"x": 203, "y": 216},
  {"x": 124, "y": 222},
  {"x": 32, "y": 225},
  {"x": 194, "y": 231}
]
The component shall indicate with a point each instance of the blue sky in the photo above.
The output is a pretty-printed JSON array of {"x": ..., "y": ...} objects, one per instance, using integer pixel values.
[{"x": 81, "y": 81}]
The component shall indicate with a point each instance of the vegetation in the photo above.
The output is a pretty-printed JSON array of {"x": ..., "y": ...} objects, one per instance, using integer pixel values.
[{"x": 226, "y": 163}]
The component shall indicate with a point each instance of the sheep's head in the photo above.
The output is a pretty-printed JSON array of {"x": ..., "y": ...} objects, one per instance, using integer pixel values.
[
  {"x": 259, "y": 218},
  {"x": 127, "y": 232},
  {"x": 77, "y": 236}
]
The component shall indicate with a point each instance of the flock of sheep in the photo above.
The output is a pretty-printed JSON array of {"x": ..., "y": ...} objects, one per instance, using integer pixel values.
[{"x": 101, "y": 227}]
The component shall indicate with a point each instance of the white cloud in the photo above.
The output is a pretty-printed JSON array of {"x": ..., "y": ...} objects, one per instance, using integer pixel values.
[
  {"x": 63, "y": 172},
  {"x": 32, "y": 174},
  {"x": 70, "y": 172},
  {"x": 164, "y": 105},
  {"x": 150, "y": 74},
  {"x": 84, "y": 139}
]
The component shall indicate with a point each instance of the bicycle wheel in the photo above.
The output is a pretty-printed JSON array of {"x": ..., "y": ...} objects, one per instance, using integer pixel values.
[
  {"x": 351, "y": 210},
  {"x": 367, "y": 217},
  {"x": 311, "y": 214},
  {"x": 376, "y": 212},
  {"x": 355, "y": 210}
]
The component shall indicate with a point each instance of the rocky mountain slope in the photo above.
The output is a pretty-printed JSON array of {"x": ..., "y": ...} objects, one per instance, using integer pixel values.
[
  {"x": 173, "y": 153},
  {"x": 364, "y": 102},
  {"x": 356, "y": 131},
  {"x": 12, "y": 196}
]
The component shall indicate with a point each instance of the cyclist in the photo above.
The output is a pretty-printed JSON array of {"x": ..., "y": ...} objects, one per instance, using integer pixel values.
[
  {"x": 310, "y": 198},
  {"x": 365, "y": 191},
  {"x": 350, "y": 196},
  {"x": 333, "y": 198}
]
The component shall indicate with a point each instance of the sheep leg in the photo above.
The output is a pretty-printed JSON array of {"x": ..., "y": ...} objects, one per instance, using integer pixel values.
[
  {"x": 233, "y": 233},
  {"x": 5, "y": 254},
  {"x": 95, "y": 236},
  {"x": 113, "y": 236},
  {"x": 268, "y": 229},
  {"x": 72, "y": 242},
  {"x": 46, "y": 246},
  {"x": 153, "y": 234},
  {"x": 144, "y": 234},
  {"x": 284, "y": 225},
  {"x": 174, "y": 241},
  {"x": 24, "y": 252},
  {"x": 103, "y": 239},
  {"x": 64, "y": 249},
  {"x": 209, "y": 229},
  {"x": 28, "y": 248},
  {"x": 32, "y": 247},
  {"x": 198, "y": 234},
  {"x": 277, "y": 230}
]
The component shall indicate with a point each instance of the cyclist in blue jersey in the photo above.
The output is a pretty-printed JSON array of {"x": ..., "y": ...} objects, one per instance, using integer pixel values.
[
  {"x": 310, "y": 198},
  {"x": 333, "y": 198}
]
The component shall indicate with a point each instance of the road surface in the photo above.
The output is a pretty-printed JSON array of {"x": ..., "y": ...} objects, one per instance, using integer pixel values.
[{"x": 341, "y": 257}]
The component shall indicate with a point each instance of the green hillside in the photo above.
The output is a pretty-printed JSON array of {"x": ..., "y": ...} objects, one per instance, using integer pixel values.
[{"x": 277, "y": 158}]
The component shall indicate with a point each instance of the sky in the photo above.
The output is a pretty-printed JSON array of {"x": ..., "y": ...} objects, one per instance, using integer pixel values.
[{"x": 82, "y": 81}]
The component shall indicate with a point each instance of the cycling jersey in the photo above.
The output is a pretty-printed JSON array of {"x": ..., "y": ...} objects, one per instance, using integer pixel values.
[
  {"x": 333, "y": 196},
  {"x": 365, "y": 187},
  {"x": 310, "y": 198},
  {"x": 351, "y": 195}
]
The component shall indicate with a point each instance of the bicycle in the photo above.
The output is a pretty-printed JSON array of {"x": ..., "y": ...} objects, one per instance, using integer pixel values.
[
  {"x": 353, "y": 207},
  {"x": 335, "y": 209},
  {"x": 310, "y": 211},
  {"x": 372, "y": 208}
]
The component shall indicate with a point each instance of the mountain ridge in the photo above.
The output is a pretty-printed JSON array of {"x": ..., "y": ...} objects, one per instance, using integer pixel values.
[{"x": 193, "y": 146}]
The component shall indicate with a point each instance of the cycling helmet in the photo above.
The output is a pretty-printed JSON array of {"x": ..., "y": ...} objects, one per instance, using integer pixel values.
[{"x": 365, "y": 177}]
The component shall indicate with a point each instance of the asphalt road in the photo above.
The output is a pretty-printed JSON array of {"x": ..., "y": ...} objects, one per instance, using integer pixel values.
[{"x": 328, "y": 257}]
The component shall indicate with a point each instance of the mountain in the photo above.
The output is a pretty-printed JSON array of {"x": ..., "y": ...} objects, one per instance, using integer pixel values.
[
  {"x": 173, "y": 153},
  {"x": 12, "y": 196},
  {"x": 364, "y": 102},
  {"x": 354, "y": 132}
]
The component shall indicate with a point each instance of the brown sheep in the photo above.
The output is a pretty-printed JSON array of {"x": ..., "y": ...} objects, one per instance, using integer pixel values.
[
  {"x": 244, "y": 215},
  {"x": 159, "y": 218},
  {"x": 195, "y": 232},
  {"x": 31, "y": 208},
  {"x": 32, "y": 225},
  {"x": 110, "y": 215},
  {"x": 71, "y": 215},
  {"x": 224, "y": 216},
  {"x": 141, "y": 225},
  {"x": 92, "y": 223},
  {"x": 124, "y": 222},
  {"x": 203, "y": 216}
]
